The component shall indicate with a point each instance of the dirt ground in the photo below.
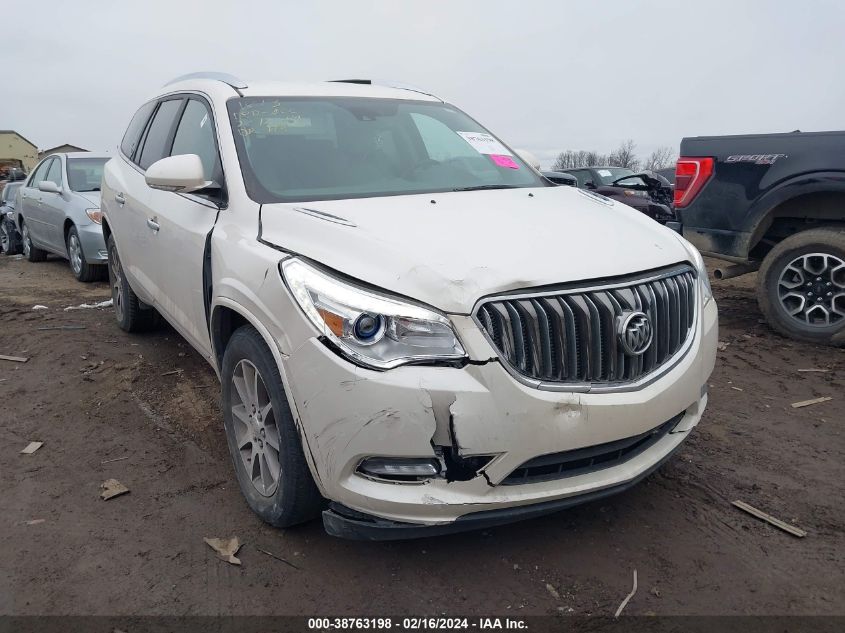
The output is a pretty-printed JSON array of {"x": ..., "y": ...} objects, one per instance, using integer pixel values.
[{"x": 96, "y": 395}]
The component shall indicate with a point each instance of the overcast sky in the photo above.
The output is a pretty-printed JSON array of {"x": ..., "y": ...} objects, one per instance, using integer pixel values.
[{"x": 545, "y": 76}]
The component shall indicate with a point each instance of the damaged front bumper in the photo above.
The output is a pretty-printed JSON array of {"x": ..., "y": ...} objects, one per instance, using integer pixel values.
[{"x": 509, "y": 451}]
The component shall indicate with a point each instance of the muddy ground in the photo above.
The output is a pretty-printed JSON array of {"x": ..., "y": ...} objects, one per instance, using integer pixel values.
[{"x": 97, "y": 394}]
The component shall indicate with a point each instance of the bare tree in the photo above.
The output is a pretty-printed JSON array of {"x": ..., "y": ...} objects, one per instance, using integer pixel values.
[
  {"x": 572, "y": 159},
  {"x": 660, "y": 158},
  {"x": 624, "y": 156}
]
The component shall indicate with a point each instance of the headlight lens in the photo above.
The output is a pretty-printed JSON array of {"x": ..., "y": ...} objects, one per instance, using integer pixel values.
[
  {"x": 706, "y": 290},
  {"x": 371, "y": 329},
  {"x": 95, "y": 214}
]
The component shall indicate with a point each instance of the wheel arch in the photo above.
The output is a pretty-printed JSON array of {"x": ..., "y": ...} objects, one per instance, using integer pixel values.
[
  {"x": 66, "y": 228},
  {"x": 227, "y": 316},
  {"x": 805, "y": 202}
]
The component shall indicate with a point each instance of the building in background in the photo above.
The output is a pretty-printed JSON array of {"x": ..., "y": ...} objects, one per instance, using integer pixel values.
[
  {"x": 60, "y": 149},
  {"x": 17, "y": 151}
]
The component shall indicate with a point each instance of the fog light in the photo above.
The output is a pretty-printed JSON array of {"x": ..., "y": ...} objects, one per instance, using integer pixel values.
[{"x": 400, "y": 469}]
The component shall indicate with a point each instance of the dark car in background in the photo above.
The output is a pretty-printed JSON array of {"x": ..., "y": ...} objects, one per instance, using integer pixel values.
[
  {"x": 773, "y": 202},
  {"x": 10, "y": 239},
  {"x": 560, "y": 178},
  {"x": 668, "y": 173},
  {"x": 645, "y": 191}
]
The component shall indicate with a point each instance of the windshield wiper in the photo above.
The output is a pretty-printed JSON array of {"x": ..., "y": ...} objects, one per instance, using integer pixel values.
[{"x": 482, "y": 187}]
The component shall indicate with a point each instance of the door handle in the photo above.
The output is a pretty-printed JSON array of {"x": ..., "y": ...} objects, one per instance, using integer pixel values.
[
  {"x": 153, "y": 225},
  {"x": 118, "y": 197}
]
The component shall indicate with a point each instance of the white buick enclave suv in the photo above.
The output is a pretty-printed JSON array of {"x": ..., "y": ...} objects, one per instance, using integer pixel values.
[{"x": 415, "y": 332}]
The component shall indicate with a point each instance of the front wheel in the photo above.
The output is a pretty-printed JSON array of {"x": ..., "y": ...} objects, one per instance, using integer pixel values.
[
  {"x": 263, "y": 440},
  {"x": 82, "y": 270},
  {"x": 801, "y": 286}
]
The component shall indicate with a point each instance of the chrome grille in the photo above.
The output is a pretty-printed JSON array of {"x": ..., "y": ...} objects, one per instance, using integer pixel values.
[{"x": 570, "y": 336}]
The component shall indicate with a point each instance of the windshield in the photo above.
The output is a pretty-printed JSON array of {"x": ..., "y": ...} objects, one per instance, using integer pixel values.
[
  {"x": 610, "y": 174},
  {"x": 329, "y": 148},
  {"x": 85, "y": 174}
]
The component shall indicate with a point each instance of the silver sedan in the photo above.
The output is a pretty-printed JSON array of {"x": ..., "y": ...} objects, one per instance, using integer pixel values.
[{"x": 58, "y": 212}]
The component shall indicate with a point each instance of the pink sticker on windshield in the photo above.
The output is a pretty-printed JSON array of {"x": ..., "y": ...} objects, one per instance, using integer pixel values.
[{"x": 504, "y": 161}]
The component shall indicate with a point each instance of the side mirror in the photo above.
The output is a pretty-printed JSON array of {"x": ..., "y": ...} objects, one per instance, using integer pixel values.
[
  {"x": 181, "y": 174},
  {"x": 590, "y": 185},
  {"x": 49, "y": 186}
]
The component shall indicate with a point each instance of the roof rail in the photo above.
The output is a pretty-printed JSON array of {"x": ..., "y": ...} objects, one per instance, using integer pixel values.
[
  {"x": 226, "y": 78},
  {"x": 386, "y": 83}
]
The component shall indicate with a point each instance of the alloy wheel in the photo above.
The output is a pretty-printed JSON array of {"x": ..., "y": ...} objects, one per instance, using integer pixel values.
[
  {"x": 811, "y": 289},
  {"x": 75, "y": 253},
  {"x": 117, "y": 284},
  {"x": 5, "y": 239},
  {"x": 27, "y": 245},
  {"x": 254, "y": 427}
]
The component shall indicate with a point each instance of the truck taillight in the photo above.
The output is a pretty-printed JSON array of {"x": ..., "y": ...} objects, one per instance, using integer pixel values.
[{"x": 690, "y": 176}]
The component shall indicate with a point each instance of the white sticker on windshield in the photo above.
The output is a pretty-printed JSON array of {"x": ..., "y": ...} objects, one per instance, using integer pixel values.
[
  {"x": 604, "y": 172},
  {"x": 484, "y": 143}
]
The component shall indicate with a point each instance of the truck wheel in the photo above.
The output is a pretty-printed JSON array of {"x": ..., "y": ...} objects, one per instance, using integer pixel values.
[
  {"x": 262, "y": 436},
  {"x": 81, "y": 269},
  {"x": 32, "y": 253},
  {"x": 801, "y": 286},
  {"x": 131, "y": 317}
]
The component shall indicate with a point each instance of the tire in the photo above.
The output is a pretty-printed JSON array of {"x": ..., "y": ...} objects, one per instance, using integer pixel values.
[
  {"x": 294, "y": 498},
  {"x": 32, "y": 253},
  {"x": 82, "y": 270},
  {"x": 128, "y": 310},
  {"x": 801, "y": 286},
  {"x": 9, "y": 239}
]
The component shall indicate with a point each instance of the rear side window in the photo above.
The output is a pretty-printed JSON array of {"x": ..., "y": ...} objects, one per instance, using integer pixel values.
[
  {"x": 135, "y": 129},
  {"x": 195, "y": 135},
  {"x": 156, "y": 144}
]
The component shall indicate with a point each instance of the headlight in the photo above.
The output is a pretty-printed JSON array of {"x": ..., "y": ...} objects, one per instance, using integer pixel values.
[
  {"x": 706, "y": 290},
  {"x": 95, "y": 214},
  {"x": 371, "y": 329}
]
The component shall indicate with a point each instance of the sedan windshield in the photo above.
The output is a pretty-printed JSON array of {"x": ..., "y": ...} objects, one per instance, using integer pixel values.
[
  {"x": 85, "y": 174},
  {"x": 329, "y": 148},
  {"x": 609, "y": 175}
]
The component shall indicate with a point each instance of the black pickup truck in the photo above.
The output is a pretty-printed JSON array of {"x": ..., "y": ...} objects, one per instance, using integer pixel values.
[{"x": 773, "y": 202}]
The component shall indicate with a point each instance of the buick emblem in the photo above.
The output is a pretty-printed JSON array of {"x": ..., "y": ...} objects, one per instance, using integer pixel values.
[{"x": 634, "y": 332}]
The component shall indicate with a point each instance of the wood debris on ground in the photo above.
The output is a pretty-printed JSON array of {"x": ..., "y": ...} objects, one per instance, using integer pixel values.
[
  {"x": 116, "y": 459},
  {"x": 45, "y": 328},
  {"x": 807, "y": 403},
  {"x": 112, "y": 488},
  {"x": 277, "y": 557},
  {"x": 812, "y": 369},
  {"x": 722, "y": 345},
  {"x": 795, "y": 531},
  {"x": 14, "y": 359},
  {"x": 170, "y": 373},
  {"x": 225, "y": 548},
  {"x": 552, "y": 591},
  {"x": 34, "y": 522},
  {"x": 32, "y": 447}
]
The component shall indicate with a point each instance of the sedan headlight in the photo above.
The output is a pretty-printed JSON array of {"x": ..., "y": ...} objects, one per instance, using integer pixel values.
[
  {"x": 371, "y": 329},
  {"x": 706, "y": 290}
]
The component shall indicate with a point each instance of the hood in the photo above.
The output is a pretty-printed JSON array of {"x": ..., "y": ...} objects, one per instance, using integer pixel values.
[
  {"x": 91, "y": 196},
  {"x": 450, "y": 249}
]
